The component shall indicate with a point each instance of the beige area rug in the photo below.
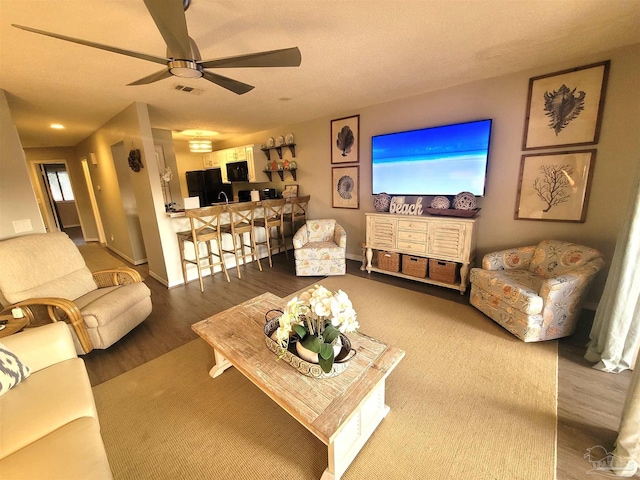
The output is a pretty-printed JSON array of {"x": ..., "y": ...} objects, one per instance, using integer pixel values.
[
  {"x": 468, "y": 401},
  {"x": 98, "y": 257}
]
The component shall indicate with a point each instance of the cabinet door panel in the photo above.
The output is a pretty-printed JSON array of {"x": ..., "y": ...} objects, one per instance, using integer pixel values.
[
  {"x": 447, "y": 241},
  {"x": 381, "y": 233}
]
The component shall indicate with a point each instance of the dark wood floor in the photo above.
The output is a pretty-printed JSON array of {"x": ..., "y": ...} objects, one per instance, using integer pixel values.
[{"x": 589, "y": 402}]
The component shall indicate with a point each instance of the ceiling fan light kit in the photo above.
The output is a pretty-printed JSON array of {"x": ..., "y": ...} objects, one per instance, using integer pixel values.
[
  {"x": 183, "y": 57},
  {"x": 185, "y": 69}
]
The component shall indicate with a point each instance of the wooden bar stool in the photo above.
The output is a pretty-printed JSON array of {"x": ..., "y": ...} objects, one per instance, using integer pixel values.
[
  {"x": 241, "y": 221},
  {"x": 298, "y": 212},
  {"x": 273, "y": 218},
  {"x": 205, "y": 228}
]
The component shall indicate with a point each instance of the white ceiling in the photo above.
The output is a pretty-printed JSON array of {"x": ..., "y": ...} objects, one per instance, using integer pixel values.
[{"x": 354, "y": 53}]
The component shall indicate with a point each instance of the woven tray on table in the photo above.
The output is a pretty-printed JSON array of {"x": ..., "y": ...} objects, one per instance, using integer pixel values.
[{"x": 290, "y": 356}]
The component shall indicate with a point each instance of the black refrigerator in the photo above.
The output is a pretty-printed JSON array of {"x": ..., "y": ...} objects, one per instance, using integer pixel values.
[{"x": 207, "y": 184}]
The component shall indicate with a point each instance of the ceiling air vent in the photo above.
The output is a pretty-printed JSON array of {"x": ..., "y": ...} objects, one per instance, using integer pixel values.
[{"x": 186, "y": 89}]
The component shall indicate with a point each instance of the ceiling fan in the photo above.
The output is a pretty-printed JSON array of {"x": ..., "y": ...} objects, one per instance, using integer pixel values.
[{"x": 183, "y": 57}]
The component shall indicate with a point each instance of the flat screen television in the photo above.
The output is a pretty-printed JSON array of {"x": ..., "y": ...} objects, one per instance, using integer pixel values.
[{"x": 443, "y": 160}]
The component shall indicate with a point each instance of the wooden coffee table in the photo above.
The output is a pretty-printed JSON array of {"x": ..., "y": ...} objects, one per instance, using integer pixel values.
[{"x": 348, "y": 409}]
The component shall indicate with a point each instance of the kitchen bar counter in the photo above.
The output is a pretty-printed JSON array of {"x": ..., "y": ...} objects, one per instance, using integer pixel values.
[
  {"x": 178, "y": 222},
  {"x": 180, "y": 213}
]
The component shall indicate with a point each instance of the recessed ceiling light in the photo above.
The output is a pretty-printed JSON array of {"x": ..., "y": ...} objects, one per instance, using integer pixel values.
[{"x": 57, "y": 126}]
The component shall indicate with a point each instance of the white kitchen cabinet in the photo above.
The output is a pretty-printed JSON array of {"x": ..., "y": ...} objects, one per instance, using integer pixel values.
[
  {"x": 450, "y": 239},
  {"x": 217, "y": 159},
  {"x": 220, "y": 158}
]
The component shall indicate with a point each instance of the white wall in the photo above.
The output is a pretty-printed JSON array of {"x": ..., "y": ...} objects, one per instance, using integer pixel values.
[
  {"x": 131, "y": 127},
  {"x": 17, "y": 198}
]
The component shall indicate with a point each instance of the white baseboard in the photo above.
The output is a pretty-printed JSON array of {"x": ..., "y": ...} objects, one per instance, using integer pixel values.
[
  {"x": 351, "y": 256},
  {"x": 126, "y": 257},
  {"x": 160, "y": 279}
]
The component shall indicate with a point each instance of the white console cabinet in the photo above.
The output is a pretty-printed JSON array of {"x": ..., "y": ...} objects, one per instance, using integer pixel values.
[{"x": 451, "y": 239}]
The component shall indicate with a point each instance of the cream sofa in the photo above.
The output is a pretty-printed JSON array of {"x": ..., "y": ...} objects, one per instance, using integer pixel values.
[
  {"x": 47, "y": 277},
  {"x": 48, "y": 422}
]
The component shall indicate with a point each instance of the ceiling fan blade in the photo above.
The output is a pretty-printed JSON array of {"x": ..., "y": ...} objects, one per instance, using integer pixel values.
[
  {"x": 234, "y": 85},
  {"x": 285, "y": 57},
  {"x": 154, "y": 77},
  {"x": 169, "y": 17},
  {"x": 121, "y": 51}
]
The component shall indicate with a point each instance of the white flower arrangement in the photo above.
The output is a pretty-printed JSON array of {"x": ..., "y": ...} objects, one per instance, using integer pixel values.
[{"x": 318, "y": 316}]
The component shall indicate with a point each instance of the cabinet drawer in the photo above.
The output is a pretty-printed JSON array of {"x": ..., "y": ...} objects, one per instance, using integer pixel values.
[
  {"x": 412, "y": 236},
  {"x": 412, "y": 225},
  {"x": 412, "y": 247}
]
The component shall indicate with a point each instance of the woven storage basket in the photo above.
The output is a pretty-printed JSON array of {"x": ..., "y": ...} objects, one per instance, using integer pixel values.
[
  {"x": 414, "y": 266},
  {"x": 442, "y": 270},
  {"x": 389, "y": 261}
]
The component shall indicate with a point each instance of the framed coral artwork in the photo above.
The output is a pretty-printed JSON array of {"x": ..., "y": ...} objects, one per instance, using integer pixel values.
[
  {"x": 565, "y": 108},
  {"x": 345, "y": 187},
  {"x": 555, "y": 186},
  {"x": 345, "y": 140}
]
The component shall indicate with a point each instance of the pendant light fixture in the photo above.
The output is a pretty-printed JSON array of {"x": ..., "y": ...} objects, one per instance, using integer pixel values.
[{"x": 200, "y": 145}]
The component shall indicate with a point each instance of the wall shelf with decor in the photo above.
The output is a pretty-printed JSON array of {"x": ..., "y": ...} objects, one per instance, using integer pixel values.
[
  {"x": 291, "y": 147},
  {"x": 280, "y": 173}
]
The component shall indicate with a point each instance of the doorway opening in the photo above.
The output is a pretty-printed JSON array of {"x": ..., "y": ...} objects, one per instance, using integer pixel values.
[{"x": 58, "y": 205}]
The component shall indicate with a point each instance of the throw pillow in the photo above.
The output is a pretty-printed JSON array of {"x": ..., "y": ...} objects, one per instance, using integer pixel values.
[{"x": 12, "y": 370}]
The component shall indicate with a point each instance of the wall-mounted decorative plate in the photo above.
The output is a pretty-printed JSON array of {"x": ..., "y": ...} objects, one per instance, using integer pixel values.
[
  {"x": 271, "y": 142},
  {"x": 288, "y": 138},
  {"x": 280, "y": 141}
]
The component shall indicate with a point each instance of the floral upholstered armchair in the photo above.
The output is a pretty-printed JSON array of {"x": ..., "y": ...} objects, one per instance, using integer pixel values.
[
  {"x": 535, "y": 292},
  {"x": 320, "y": 248}
]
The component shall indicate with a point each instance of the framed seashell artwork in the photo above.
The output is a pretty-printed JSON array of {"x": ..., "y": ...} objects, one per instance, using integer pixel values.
[
  {"x": 565, "y": 108},
  {"x": 345, "y": 140},
  {"x": 345, "y": 187}
]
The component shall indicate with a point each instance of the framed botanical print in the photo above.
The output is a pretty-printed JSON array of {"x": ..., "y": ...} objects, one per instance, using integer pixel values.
[
  {"x": 565, "y": 108},
  {"x": 345, "y": 184},
  {"x": 345, "y": 140},
  {"x": 555, "y": 186}
]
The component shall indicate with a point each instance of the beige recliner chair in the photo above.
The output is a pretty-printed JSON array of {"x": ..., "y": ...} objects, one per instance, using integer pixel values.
[
  {"x": 320, "y": 248},
  {"x": 47, "y": 277},
  {"x": 535, "y": 292}
]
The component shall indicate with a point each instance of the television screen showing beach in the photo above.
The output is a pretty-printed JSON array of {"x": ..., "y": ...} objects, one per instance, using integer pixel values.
[{"x": 433, "y": 161}]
